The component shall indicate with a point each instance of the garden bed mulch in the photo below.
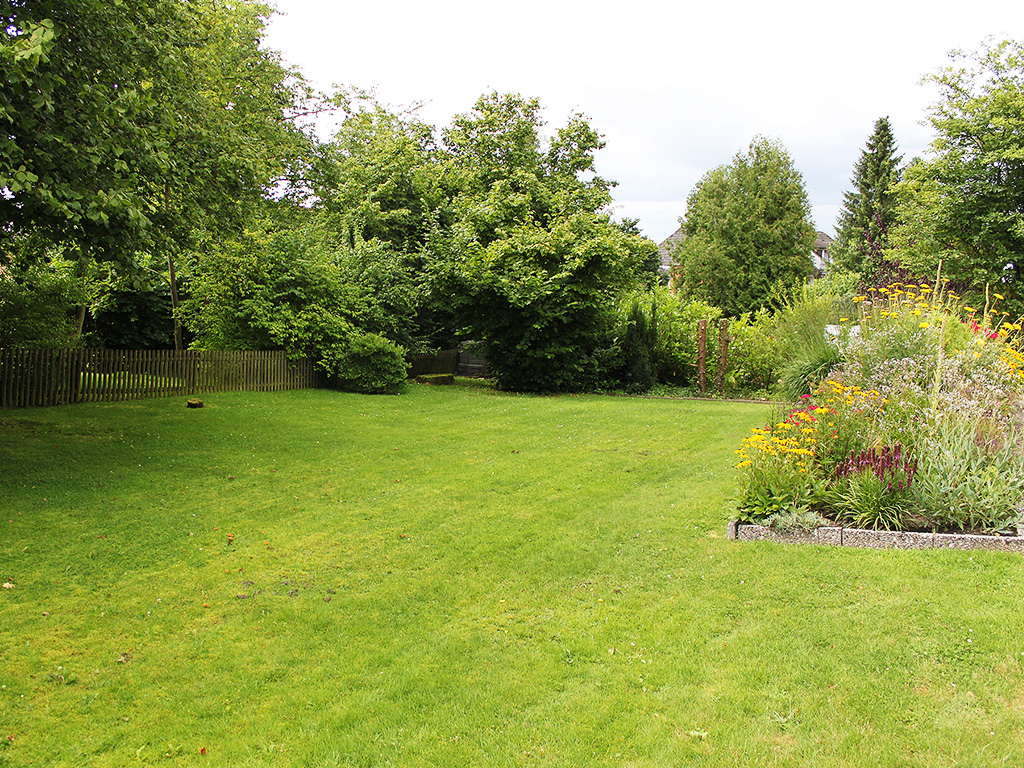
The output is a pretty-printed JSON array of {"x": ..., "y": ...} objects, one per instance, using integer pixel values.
[{"x": 858, "y": 537}]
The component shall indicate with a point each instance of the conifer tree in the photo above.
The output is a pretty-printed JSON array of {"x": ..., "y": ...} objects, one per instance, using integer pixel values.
[{"x": 869, "y": 208}]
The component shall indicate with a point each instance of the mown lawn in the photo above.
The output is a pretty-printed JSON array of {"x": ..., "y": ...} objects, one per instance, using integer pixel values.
[{"x": 454, "y": 577}]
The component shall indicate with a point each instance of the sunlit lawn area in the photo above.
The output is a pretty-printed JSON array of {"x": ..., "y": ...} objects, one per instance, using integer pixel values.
[{"x": 455, "y": 577}]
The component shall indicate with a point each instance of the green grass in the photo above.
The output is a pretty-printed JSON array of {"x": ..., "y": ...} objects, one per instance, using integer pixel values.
[{"x": 456, "y": 577}]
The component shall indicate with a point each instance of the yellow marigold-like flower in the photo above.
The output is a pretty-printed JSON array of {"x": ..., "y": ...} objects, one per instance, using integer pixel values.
[
  {"x": 998, "y": 296},
  {"x": 746, "y": 463},
  {"x": 924, "y": 325},
  {"x": 969, "y": 309}
]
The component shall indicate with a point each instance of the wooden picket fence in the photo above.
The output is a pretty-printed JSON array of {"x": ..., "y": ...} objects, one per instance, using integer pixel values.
[{"x": 40, "y": 377}]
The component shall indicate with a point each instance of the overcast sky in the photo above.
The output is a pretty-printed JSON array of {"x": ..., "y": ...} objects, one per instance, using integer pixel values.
[{"x": 676, "y": 88}]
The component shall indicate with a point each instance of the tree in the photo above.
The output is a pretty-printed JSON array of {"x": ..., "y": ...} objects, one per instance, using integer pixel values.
[
  {"x": 525, "y": 248},
  {"x": 748, "y": 232},
  {"x": 292, "y": 289},
  {"x": 125, "y": 122},
  {"x": 965, "y": 203},
  {"x": 132, "y": 126},
  {"x": 869, "y": 209}
]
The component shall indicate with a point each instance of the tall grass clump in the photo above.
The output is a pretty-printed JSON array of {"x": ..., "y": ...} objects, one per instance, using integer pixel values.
[{"x": 812, "y": 328}]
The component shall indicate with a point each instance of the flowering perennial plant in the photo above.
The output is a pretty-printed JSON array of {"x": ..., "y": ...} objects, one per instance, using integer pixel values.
[{"x": 873, "y": 447}]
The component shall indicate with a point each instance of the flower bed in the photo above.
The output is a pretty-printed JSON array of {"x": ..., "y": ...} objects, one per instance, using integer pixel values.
[{"x": 919, "y": 427}]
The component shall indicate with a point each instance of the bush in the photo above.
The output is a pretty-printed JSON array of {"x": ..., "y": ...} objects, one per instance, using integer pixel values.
[
  {"x": 675, "y": 358},
  {"x": 638, "y": 342},
  {"x": 755, "y": 354},
  {"x": 38, "y": 299},
  {"x": 368, "y": 363}
]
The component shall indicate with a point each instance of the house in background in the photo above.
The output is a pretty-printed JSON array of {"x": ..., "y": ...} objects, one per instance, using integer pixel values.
[
  {"x": 665, "y": 248},
  {"x": 819, "y": 251},
  {"x": 819, "y": 254}
]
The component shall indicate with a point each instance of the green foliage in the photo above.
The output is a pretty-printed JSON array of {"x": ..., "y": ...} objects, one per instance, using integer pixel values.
[
  {"x": 963, "y": 204},
  {"x": 37, "y": 301},
  {"x": 378, "y": 176},
  {"x": 639, "y": 341},
  {"x": 676, "y": 350},
  {"x": 968, "y": 482},
  {"x": 755, "y": 353},
  {"x": 869, "y": 209},
  {"x": 748, "y": 231},
  {"x": 539, "y": 302},
  {"x": 810, "y": 329},
  {"x": 534, "y": 267},
  {"x": 366, "y": 362},
  {"x": 291, "y": 290},
  {"x": 128, "y": 125}
]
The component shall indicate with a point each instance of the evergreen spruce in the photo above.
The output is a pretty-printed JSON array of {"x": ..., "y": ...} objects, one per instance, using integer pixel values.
[{"x": 869, "y": 208}]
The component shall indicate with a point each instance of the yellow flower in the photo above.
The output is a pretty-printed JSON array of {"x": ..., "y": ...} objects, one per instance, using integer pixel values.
[
  {"x": 998, "y": 296},
  {"x": 924, "y": 325}
]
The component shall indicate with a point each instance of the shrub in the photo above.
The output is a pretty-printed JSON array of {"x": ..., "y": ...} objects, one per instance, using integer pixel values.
[
  {"x": 366, "y": 362},
  {"x": 638, "y": 342},
  {"x": 755, "y": 354},
  {"x": 969, "y": 481},
  {"x": 675, "y": 359}
]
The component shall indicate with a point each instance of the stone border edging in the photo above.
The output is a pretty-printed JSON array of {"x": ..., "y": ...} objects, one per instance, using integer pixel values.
[{"x": 857, "y": 537}]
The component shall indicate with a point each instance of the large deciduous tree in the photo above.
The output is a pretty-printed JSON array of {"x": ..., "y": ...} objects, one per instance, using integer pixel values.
[
  {"x": 130, "y": 126},
  {"x": 965, "y": 203},
  {"x": 748, "y": 235},
  {"x": 869, "y": 209},
  {"x": 127, "y": 123},
  {"x": 529, "y": 253}
]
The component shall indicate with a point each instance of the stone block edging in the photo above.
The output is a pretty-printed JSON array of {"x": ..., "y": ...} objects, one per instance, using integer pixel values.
[{"x": 857, "y": 537}]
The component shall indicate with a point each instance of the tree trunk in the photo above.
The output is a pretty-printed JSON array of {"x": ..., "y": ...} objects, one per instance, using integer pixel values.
[{"x": 173, "y": 279}]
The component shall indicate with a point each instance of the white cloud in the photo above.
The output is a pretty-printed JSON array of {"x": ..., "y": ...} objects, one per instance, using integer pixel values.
[{"x": 676, "y": 89}]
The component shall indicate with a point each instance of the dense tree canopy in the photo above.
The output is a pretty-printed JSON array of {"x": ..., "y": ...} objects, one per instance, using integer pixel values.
[
  {"x": 132, "y": 124},
  {"x": 748, "y": 234},
  {"x": 532, "y": 257},
  {"x": 869, "y": 209},
  {"x": 965, "y": 203},
  {"x": 492, "y": 234}
]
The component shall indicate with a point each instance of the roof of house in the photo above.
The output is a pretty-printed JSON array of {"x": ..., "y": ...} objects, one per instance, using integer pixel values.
[{"x": 666, "y": 246}]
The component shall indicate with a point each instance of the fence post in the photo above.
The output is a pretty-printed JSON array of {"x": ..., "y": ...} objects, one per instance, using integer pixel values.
[
  {"x": 723, "y": 353},
  {"x": 702, "y": 355}
]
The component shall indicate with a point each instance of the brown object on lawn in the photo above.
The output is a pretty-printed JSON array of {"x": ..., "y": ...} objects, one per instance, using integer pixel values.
[{"x": 194, "y": 402}]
